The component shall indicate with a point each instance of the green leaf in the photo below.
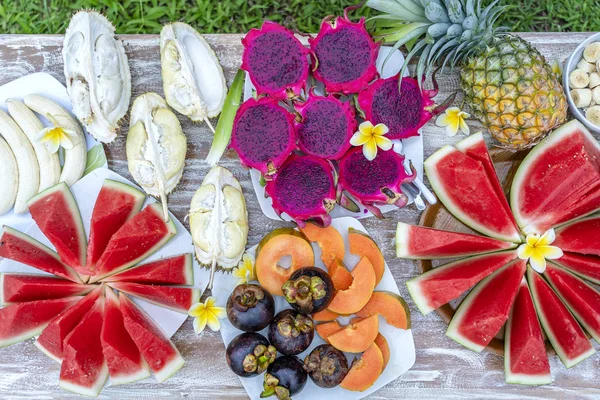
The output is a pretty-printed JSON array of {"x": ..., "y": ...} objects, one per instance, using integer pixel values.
[{"x": 95, "y": 159}]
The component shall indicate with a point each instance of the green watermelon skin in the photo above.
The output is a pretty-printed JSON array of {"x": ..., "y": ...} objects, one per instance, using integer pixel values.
[
  {"x": 525, "y": 357},
  {"x": 176, "y": 298},
  {"x": 563, "y": 331},
  {"x": 175, "y": 270},
  {"x": 587, "y": 267},
  {"x": 19, "y": 288},
  {"x": 581, "y": 236}
]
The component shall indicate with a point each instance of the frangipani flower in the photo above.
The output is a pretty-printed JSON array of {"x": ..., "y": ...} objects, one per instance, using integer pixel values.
[
  {"x": 454, "y": 119},
  {"x": 370, "y": 138},
  {"x": 537, "y": 250},
  {"x": 207, "y": 314},
  {"x": 557, "y": 68},
  {"x": 245, "y": 270},
  {"x": 55, "y": 137}
]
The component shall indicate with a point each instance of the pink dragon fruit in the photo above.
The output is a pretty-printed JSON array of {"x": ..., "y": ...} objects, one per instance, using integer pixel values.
[
  {"x": 374, "y": 182},
  {"x": 325, "y": 127},
  {"x": 304, "y": 188},
  {"x": 263, "y": 135},
  {"x": 345, "y": 54},
  {"x": 276, "y": 61}
]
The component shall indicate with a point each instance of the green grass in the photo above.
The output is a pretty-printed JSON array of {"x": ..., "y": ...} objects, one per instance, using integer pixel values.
[{"x": 226, "y": 16}]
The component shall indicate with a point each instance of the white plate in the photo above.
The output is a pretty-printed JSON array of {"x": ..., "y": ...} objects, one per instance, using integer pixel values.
[
  {"x": 402, "y": 347},
  {"x": 411, "y": 148},
  {"x": 47, "y": 86}
]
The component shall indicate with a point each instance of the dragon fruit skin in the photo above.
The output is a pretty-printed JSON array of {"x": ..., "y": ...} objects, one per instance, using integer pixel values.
[
  {"x": 374, "y": 182},
  {"x": 345, "y": 54},
  {"x": 326, "y": 126},
  {"x": 304, "y": 188},
  {"x": 404, "y": 112},
  {"x": 263, "y": 135},
  {"x": 276, "y": 61}
]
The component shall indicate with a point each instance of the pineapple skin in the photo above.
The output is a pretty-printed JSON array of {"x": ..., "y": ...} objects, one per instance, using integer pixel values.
[{"x": 513, "y": 91}]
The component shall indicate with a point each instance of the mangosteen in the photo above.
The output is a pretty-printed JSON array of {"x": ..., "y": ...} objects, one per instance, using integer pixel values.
[
  {"x": 309, "y": 290},
  {"x": 249, "y": 354},
  {"x": 285, "y": 377},
  {"x": 250, "y": 308},
  {"x": 326, "y": 366},
  {"x": 291, "y": 332}
]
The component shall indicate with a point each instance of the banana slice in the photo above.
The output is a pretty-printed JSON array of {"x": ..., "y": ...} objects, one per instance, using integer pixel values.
[
  {"x": 29, "y": 169},
  {"x": 76, "y": 157},
  {"x": 30, "y": 125},
  {"x": 9, "y": 176},
  {"x": 578, "y": 79},
  {"x": 581, "y": 97},
  {"x": 596, "y": 95},
  {"x": 592, "y": 114},
  {"x": 594, "y": 80},
  {"x": 592, "y": 52},
  {"x": 586, "y": 66}
]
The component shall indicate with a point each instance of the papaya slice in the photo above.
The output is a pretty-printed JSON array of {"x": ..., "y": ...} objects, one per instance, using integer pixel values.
[
  {"x": 382, "y": 343},
  {"x": 356, "y": 337},
  {"x": 272, "y": 248},
  {"x": 328, "y": 329},
  {"x": 390, "y": 306},
  {"x": 362, "y": 245},
  {"x": 365, "y": 370},
  {"x": 353, "y": 299},
  {"x": 339, "y": 274},
  {"x": 329, "y": 240},
  {"x": 324, "y": 316}
]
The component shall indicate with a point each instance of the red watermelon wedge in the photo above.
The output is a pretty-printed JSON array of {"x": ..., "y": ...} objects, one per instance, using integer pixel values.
[
  {"x": 22, "y": 248},
  {"x": 50, "y": 342},
  {"x": 124, "y": 360},
  {"x": 176, "y": 298},
  {"x": 581, "y": 236},
  {"x": 440, "y": 285},
  {"x": 19, "y": 288},
  {"x": 56, "y": 213},
  {"x": 176, "y": 270},
  {"x": 463, "y": 186},
  {"x": 159, "y": 352},
  {"x": 490, "y": 301},
  {"x": 83, "y": 370},
  {"x": 137, "y": 239},
  {"x": 587, "y": 267},
  {"x": 117, "y": 203},
  {"x": 418, "y": 243},
  {"x": 22, "y": 321},
  {"x": 525, "y": 358},
  {"x": 582, "y": 299},
  {"x": 563, "y": 331}
]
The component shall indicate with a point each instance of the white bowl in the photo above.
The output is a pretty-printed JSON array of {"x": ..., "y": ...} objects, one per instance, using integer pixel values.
[{"x": 571, "y": 65}]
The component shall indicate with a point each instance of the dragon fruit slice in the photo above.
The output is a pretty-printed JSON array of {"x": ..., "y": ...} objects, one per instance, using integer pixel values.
[
  {"x": 276, "y": 61},
  {"x": 304, "y": 188},
  {"x": 345, "y": 54},
  {"x": 263, "y": 135},
  {"x": 374, "y": 182},
  {"x": 326, "y": 126},
  {"x": 404, "y": 111}
]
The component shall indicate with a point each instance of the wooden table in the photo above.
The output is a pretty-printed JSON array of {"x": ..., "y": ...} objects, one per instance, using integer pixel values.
[{"x": 443, "y": 368}]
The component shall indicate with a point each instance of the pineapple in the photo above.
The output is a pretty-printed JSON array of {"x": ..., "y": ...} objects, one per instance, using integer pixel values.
[{"x": 507, "y": 83}]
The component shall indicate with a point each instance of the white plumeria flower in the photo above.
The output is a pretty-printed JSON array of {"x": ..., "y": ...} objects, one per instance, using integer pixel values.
[
  {"x": 454, "y": 119},
  {"x": 245, "y": 270},
  {"x": 537, "y": 250},
  {"x": 56, "y": 136},
  {"x": 207, "y": 314}
]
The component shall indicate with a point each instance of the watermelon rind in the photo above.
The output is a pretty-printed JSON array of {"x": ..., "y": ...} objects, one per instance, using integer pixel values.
[
  {"x": 568, "y": 362},
  {"x": 436, "y": 183},
  {"x": 2, "y": 289},
  {"x": 46, "y": 352},
  {"x": 126, "y": 188}
]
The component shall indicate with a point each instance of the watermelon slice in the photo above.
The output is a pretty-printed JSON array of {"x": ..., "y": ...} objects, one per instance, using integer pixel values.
[
  {"x": 22, "y": 248},
  {"x": 50, "y": 342},
  {"x": 463, "y": 186},
  {"x": 558, "y": 180},
  {"x": 19, "y": 288},
  {"x": 137, "y": 239},
  {"x": 159, "y": 352},
  {"x": 55, "y": 212},
  {"x": 176, "y": 270},
  {"x": 116, "y": 203},
  {"x": 563, "y": 331},
  {"x": 525, "y": 358},
  {"x": 176, "y": 298},
  {"x": 483, "y": 312},
  {"x": 125, "y": 362},
  {"x": 580, "y": 236},
  {"x": 440, "y": 285},
  {"x": 587, "y": 267},
  {"x": 582, "y": 299},
  {"x": 84, "y": 370},
  {"x": 419, "y": 243},
  {"x": 22, "y": 321}
]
